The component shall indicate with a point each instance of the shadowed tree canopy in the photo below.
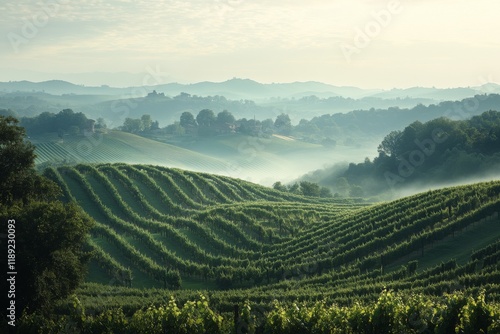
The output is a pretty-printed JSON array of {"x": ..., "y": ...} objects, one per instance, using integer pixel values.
[
  {"x": 283, "y": 123},
  {"x": 310, "y": 189},
  {"x": 225, "y": 117},
  {"x": 187, "y": 120},
  {"x": 49, "y": 238},
  {"x": 206, "y": 121},
  {"x": 18, "y": 179},
  {"x": 132, "y": 125},
  {"x": 440, "y": 149},
  {"x": 61, "y": 122},
  {"x": 206, "y": 118},
  {"x": 390, "y": 143},
  {"x": 16, "y": 154},
  {"x": 48, "y": 233},
  {"x": 225, "y": 120},
  {"x": 136, "y": 125}
]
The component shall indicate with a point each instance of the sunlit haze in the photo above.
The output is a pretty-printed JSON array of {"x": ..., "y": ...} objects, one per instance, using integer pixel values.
[{"x": 370, "y": 44}]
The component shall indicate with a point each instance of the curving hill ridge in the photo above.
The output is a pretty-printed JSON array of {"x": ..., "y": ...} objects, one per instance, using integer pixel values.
[
  {"x": 193, "y": 222},
  {"x": 118, "y": 146},
  {"x": 219, "y": 232}
]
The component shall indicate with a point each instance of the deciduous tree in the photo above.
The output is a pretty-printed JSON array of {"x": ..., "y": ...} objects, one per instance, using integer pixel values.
[
  {"x": 283, "y": 124},
  {"x": 48, "y": 233}
]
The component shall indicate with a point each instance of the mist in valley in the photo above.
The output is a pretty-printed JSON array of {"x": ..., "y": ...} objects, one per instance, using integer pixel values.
[
  {"x": 428, "y": 186},
  {"x": 129, "y": 130},
  {"x": 253, "y": 164},
  {"x": 268, "y": 147}
]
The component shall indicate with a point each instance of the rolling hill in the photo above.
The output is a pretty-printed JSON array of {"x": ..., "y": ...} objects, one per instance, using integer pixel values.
[
  {"x": 243, "y": 241},
  {"x": 252, "y": 158},
  {"x": 118, "y": 146},
  {"x": 237, "y": 88}
]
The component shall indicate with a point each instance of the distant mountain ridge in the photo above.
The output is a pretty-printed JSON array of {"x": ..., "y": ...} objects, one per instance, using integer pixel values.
[{"x": 249, "y": 89}]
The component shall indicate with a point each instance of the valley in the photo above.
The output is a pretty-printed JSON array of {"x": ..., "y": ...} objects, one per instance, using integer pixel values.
[{"x": 241, "y": 241}]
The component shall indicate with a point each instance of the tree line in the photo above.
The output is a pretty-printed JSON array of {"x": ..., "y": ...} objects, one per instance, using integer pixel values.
[
  {"x": 64, "y": 122},
  {"x": 441, "y": 150},
  {"x": 207, "y": 123},
  {"x": 305, "y": 188}
]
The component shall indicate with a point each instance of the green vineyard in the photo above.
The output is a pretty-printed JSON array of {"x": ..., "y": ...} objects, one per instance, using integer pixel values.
[
  {"x": 117, "y": 146},
  {"x": 163, "y": 232}
]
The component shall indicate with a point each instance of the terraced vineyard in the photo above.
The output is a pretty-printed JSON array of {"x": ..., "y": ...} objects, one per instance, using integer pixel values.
[{"x": 242, "y": 241}]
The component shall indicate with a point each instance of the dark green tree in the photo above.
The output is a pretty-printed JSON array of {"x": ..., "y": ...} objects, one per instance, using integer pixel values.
[
  {"x": 18, "y": 179},
  {"x": 268, "y": 126},
  {"x": 390, "y": 143},
  {"x": 224, "y": 121},
  {"x": 68, "y": 118},
  {"x": 48, "y": 233},
  {"x": 45, "y": 122},
  {"x": 132, "y": 125},
  {"x": 310, "y": 189},
  {"x": 249, "y": 127},
  {"x": 283, "y": 124},
  {"x": 206, "y": 120},
  {"x": 187, "y": 120},
  {"x": 49, "y": 256},
  {"x": 225, "y": 117},
  {"x": 294, "y": 188},
  {"x": 279, "y": 186},
  {"x": 63, "y": 122}
]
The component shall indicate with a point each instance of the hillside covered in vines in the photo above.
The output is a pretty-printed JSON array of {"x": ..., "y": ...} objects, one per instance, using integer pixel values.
[{"x": 161, "y": 232}]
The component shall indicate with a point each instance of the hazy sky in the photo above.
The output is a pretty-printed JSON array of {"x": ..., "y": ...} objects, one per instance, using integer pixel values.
[{"x": 440, "y": 43}]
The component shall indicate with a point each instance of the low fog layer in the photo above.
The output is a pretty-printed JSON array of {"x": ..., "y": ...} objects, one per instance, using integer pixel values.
[
  {"x": 253, "y": 164},
  {"x": 423, "y": 156},
  {"x": 266, "y": 144},
  {"x": 419, "y": 188}
]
